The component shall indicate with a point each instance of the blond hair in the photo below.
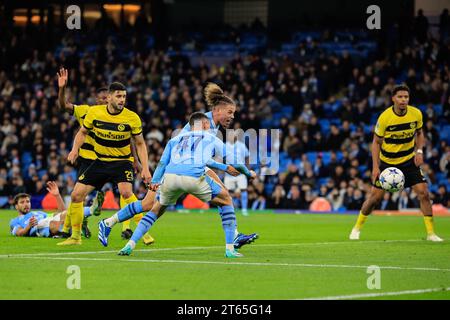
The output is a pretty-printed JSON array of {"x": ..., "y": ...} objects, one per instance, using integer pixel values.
[{"x": 215, "y": 96}]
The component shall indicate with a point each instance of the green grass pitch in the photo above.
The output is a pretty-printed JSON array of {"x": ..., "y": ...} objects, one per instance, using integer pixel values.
[{"x": 296, "y": 257}]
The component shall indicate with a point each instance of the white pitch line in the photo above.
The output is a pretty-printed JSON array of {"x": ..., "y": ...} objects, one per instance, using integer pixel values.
[
  {"x": 261, "y": 264},
  {"x": 200, "y": 248},
  {"x": 381, "y": 294}
]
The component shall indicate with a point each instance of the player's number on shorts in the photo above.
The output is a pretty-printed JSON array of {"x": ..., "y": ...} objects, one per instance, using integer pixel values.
[{"x": 129, "y": 175}]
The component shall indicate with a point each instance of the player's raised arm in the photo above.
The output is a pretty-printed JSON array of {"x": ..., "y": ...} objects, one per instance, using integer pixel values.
[
  {"x": 62, "y": 83},
  {"x": 52, "y": 188}
]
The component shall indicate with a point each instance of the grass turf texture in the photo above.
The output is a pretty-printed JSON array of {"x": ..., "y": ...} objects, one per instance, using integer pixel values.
[{"x": 297, "y": 256}]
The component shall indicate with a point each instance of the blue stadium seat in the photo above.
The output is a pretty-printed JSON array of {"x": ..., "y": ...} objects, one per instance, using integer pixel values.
[
  {"x": 311, "y": 156},
  {"x": 445, "y": 133},
  {"x": 323, "y": 181},
  {"x": 3, "y": 201},
  {"x": 287, "y": 111},
  {"x": 326, "y": 157}
]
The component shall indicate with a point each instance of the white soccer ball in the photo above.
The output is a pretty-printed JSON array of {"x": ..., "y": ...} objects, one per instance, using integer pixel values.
[{"x": 392, "y": 179}]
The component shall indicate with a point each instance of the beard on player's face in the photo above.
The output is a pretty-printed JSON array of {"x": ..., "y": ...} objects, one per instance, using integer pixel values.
[{"x": 23, "y": 208}]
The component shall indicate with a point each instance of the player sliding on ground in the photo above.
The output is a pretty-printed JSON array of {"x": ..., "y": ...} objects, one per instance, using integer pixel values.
[
  {"x": 38, "y": 223},
  {"x": 398, "y": 142},
  {"x": 181, "y": 170}
]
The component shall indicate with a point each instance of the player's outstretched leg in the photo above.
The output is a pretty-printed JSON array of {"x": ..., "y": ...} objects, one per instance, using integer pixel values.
[
  {"x": 105, "y": 226},
  {"x": 127, "y": 233},
  {"x": 374, "y": 198},
  {"x": 225, "y": 203},
  {"x": 240, "y": 240},
  {"x": 143, "y": 227}
]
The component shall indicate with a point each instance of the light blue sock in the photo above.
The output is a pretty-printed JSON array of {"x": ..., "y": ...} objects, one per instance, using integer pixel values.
[
  {"x": 228, "y": 222},
  {"x": 129, "y": 211},
  {"x": 144, "y": 225},
  {"x": 244, "y": 200},
  {"x": 87, "y": 212}
]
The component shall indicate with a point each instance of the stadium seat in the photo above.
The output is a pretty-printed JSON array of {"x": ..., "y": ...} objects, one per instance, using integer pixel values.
[
  {"x": 311, "y": 156},
  {"x": 3, "y": 201}
]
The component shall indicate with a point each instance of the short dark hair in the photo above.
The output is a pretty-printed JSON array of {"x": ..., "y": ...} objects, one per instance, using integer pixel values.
[
  {"x": 102, "y": 89},
  {"x": 116, "y": 86},
  {"x": 19, "y": 196},
  {"x": 400, "y": 87},
  {"x": 195, "y": 117}
]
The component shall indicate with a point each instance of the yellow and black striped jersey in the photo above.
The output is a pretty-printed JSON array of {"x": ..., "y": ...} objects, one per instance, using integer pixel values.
[
  {"x": 112, "y": 132},
  {"x": 398, "y": 133},
  {"x": 87, "y": 149}
]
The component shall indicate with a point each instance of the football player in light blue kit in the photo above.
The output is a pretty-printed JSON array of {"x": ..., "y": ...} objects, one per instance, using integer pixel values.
[
  {"x": 38, "y": 223},
  {"x": 238, "y": 183},
  {"x": 182, "y": 170},
  {"x": 222, "y": 114}
]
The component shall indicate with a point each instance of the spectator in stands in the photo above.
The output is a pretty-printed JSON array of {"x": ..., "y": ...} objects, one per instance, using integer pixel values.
[
  {"x": 444, "y": 25},
  {"x": 442, "y": 197},
  {"x": 403, "y": 201},
  {"x": 387, "y": 203},
  {"x": 293, "y": 199}
]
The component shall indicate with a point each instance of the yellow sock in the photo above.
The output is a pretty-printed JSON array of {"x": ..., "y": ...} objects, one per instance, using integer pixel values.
[
  {"x": 66, "y": 227},
  {"x": 361, "y": 219},
  {"x": 429, "y": 224},
  {"x": 76, "y": 212},
  {"x": 137, "y": 218}
]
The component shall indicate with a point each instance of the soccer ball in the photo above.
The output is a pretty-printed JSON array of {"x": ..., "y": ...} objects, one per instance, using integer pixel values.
[{"x": 392, "y": 179}]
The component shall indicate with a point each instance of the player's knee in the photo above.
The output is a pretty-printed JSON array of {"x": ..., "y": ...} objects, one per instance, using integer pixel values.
[
  {"x": 77, "y": 197},
  {"x": 375, "y": 199},
  {"x": 423, "y": 195},
  {"x": 126, "y": 194}
]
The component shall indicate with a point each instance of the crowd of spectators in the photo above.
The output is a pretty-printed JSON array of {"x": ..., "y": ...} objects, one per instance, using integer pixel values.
[{"x": 164, "y": 89}]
